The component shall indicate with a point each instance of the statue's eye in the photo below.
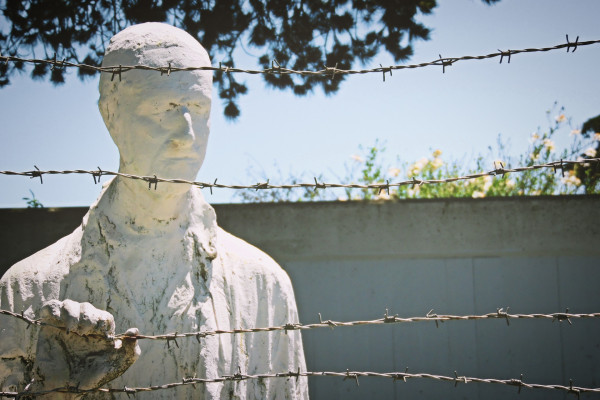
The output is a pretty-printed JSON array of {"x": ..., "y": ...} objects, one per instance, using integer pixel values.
[{"x": 163, "y": 109}]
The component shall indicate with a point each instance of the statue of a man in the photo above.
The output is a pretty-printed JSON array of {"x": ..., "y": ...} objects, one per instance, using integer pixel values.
[{"x": 151, "y": 259}]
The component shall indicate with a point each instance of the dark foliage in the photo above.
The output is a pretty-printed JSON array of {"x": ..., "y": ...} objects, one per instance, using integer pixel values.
[
  {"x": 301, "y": 34},
  {"x": 590, "y": 177},
  {"x": 591, "y": 126}
]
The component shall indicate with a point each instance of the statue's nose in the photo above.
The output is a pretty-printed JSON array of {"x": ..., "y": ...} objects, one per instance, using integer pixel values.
[{"x": 184, "y": 135}]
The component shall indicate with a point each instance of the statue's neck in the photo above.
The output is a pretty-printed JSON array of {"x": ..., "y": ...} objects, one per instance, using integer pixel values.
[
  {"x": 127, "y": 222},
  {"x": 130, "y": 201}
]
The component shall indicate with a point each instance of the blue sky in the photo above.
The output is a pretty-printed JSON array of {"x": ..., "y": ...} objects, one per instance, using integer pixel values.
[{"x": 460, "y": 112}]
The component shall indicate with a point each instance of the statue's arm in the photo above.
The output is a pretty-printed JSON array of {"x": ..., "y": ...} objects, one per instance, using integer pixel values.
[
  {"x": 74, "y": 347},
  {"x": 14, "y": 363},
  {"x": 288, "y": 351},
  {"x": 14, "y": 336}
]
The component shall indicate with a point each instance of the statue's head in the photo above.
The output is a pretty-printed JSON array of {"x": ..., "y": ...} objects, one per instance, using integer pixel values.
[{"x": 159, "y": 122}]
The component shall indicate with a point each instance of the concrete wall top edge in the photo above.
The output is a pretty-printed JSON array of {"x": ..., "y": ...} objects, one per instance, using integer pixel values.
[{"x": 432, "y": 228}]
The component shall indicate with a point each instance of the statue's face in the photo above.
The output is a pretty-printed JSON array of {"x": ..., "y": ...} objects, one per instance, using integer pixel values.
[
  {"x": 159, "y": 122},
  {"x": 162, "y": 126}
]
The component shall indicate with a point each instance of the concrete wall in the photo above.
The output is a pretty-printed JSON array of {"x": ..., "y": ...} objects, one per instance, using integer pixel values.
[{"x": 351, "y": 261}]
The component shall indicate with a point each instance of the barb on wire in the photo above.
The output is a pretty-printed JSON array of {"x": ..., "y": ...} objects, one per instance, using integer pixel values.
[
  {"x": 503, "y": 54},
  {"x": 395, "y": 376},
  {"x": 574, "y": 44},
  {"x": 275, "y": 68},
  {"x": 153, "y": 180},
  {"x": 501, "y": 313}
]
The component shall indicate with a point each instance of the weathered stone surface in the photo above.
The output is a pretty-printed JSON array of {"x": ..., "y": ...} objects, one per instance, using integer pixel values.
[{"x": 152, "y": 259}]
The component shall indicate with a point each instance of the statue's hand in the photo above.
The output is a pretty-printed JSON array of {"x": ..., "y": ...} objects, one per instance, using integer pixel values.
[{"x": 76, "y": 346}]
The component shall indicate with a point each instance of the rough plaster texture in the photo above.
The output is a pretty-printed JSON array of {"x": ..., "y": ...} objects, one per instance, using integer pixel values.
[
  {"x": 350, "y": 261},
  {"x": 153, "y": 260}
]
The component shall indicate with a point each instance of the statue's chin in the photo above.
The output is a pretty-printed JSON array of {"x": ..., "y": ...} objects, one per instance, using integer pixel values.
[
  {"x": 176, "y": 172},
  {"x": 170, "y": 168}
]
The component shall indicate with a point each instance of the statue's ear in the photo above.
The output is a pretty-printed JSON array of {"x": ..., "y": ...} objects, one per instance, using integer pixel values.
[
  {"x": 104, "y": 109},
  {"x": 107, "y": 105}
]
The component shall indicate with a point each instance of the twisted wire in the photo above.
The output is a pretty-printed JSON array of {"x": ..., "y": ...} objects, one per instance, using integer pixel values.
[
  {"x": 500, "y": 313},
  {"x": 117, "y": 70},
  {"x": 154, "y": 180},
  {"x": 353, "y": 375}
]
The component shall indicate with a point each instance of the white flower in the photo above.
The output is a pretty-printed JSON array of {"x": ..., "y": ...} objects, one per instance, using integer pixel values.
[
  {"x": 510, "y": 183},
  {"x": 413, "y": 192},
  {"x": 534, "y": 137},
  {"x": 561, "y": 118},
  {"x": 487, "y": 182},
  {"x": 382, "y": 195},
  {"x": 591, "y": 152},
  {"x": 571, "y": 179},
  {"x": 575, "y": 132},
  {"x": 534, "y": 156},
  {"x": 422, "y": 163},
  {"x": 437, "y": 153},
  {"x": 478, "y": 195},
  {"x": 416, "y": 168},
  {"x": 357, "y": 158},
  {"x": 394, "y": 171},
  {"x": 549, "y": 144},
  {"x": 437, "y": 162}
]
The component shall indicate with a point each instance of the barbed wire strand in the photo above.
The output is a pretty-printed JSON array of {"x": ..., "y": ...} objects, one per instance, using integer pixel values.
[
  {"x": 154, "y": 180},
  {"x": 276, "y": 68},
  {"x": 353, "y": 375},
  {"x": 500, "y": 313}
]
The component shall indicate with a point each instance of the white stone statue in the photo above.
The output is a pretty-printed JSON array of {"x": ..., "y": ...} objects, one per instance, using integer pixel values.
[{"x": 154, "y": 260}]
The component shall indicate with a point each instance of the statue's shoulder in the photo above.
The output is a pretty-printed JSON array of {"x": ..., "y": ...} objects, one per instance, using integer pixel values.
[
  {"x": 45, "y": 261},
  {"x": 246, "y": 259},
  {"x": 40, "y": 272},
  {"x": 252, "y": 274}
]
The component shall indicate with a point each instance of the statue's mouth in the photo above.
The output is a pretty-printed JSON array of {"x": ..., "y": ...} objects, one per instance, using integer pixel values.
[
  {"x": 179, "y": 159},
  {"x": 183, "y": 159},
  {"x": 181, "y": 156}
]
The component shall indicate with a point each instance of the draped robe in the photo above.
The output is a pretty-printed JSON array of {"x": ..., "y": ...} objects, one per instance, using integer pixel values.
[{"x": 180, "y": 275}]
